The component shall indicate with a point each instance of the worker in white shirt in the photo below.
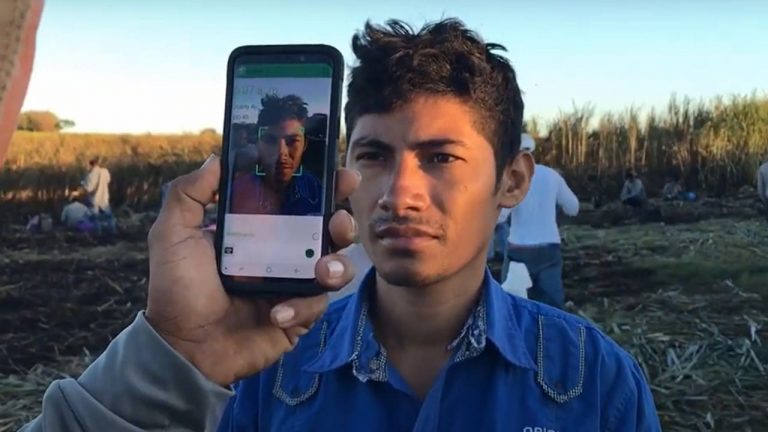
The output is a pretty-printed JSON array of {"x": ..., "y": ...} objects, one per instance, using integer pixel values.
[
  {"x": 96, "y": 184},
  {"x": 534, "y": 238}
]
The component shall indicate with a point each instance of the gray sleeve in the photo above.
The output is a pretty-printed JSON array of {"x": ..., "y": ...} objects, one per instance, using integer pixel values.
[
  {"x": 138, "y": 383},
  {"x": 625, "y": 191}
]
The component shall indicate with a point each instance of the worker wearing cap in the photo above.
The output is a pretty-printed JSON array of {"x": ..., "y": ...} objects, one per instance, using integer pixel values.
[{"x": 534, "y": 239}]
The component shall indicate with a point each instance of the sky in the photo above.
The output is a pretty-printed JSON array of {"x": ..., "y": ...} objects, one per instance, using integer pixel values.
[{"x": 160, "y": 66}]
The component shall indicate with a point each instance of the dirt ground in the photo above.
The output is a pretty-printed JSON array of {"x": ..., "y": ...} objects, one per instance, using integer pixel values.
[{"x": 687, "y": 300}]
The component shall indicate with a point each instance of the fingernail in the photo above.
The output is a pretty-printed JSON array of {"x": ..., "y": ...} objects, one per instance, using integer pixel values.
[
  {"x": 355, "y": 231},
  {"x": 335, "y": 269},
  {"x": 207, "y": 161},
  {"x": 283, "y": 314},
  {"x": 358, "y": 174}
]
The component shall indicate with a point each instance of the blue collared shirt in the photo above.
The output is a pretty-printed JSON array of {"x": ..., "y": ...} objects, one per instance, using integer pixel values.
[{"x": 517, "y": 365}]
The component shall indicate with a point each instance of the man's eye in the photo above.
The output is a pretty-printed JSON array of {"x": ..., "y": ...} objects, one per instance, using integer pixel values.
[
  {"x": 269, "y": 139},
  {"x": 369, "y": 157},
  {"x": 442, "y": 158}
]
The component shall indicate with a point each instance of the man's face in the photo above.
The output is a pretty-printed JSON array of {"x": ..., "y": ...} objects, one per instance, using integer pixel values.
[
  {"x": 281, "y": 147},
  {"x": 427, "y": 203},
  {"x": 242, "y": 137}
]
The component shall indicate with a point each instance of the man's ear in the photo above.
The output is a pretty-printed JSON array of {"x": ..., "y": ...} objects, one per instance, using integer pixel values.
[{"x": 515, "y": 180}]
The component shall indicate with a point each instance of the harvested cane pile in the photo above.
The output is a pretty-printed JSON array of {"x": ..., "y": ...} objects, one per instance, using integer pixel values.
[
  {"x": 705, "y": 354},
  {"x": 689, "y": 302}
]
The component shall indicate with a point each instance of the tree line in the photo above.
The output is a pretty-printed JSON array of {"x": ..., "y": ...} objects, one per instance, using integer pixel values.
[{"x": 42, "y": 121}]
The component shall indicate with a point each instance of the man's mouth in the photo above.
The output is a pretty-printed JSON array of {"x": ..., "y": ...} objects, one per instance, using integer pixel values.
[{"x": 404, "y": 236}]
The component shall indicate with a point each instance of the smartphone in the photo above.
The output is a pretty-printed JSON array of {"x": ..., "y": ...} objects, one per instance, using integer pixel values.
[{"x": 276, "y": 194}]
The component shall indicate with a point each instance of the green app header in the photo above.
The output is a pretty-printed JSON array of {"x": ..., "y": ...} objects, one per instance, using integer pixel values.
[{"x": 284, "y": 70}]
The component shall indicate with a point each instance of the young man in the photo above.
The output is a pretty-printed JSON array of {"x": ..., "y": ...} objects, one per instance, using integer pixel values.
[
  {"x": 534, "y": 239},
  {"x": 277, "y": 183},
  {"x": 429, "y": 341}
]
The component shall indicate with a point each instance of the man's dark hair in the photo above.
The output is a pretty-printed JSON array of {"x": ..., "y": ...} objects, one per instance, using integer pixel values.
[
  {"x": 276, "y": 109},
  {"x": 444, "y": 58},
  {"x": 94, "y": 161}
]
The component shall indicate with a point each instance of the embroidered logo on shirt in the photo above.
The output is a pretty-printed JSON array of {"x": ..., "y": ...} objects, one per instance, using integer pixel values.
[{"x": 537, "y": 429}]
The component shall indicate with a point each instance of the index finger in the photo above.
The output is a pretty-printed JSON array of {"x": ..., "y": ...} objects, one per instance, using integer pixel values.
[{"x": 347, "y": 181}]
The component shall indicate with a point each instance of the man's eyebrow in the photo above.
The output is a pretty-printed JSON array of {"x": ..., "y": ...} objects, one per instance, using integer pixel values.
[
  {"x": 437, "y": 143},
  {"x": 370, "y": 143},
  {"x": 375, "y": 143}
]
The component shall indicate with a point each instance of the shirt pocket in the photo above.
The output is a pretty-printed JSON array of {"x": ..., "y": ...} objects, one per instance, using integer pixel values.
[
  {"x": 292, "y": 385},
  {"x": 560, "y": 358}
]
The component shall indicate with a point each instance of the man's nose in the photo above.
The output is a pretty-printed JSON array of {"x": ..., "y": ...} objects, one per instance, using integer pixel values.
[
  {"x": 406, "y": 188},
  {"x": 282, "y": 147}
]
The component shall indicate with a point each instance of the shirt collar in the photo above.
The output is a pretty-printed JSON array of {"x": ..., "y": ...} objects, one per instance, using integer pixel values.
[{"x": 352, "y": 341}]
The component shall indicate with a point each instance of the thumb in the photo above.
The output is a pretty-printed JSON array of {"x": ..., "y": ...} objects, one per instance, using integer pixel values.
[{"x": 190, "y": 193}]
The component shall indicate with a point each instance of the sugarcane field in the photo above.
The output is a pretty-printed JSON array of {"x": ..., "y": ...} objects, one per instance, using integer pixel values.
[
  {"x": 234, "y": 216},
  {"x": 680, "y": 285}
]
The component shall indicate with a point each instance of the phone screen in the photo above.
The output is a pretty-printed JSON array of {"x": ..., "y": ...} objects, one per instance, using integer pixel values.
[{"x": 279, "y": 121}]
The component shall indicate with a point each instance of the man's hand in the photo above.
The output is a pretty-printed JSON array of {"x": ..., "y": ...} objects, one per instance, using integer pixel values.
[{"x": 228, "y": 338}]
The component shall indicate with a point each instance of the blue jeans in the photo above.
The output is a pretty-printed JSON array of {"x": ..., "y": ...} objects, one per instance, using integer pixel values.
[
  {"x": 545, "y": 266},
  {"x": 105, "y": 221}
]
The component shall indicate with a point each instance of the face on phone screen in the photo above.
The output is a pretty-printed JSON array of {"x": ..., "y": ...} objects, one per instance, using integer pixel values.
[{"x": 273, "y": 226}]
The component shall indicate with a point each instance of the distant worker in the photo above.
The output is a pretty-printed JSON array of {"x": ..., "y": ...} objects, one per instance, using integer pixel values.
[
  {"x": 762, "y": 185},
  {"x": 534, "y": 239},
  {"x": 672, "y": 190},
  {"x": 96, "y": 185},
  {"x": 76, "y": 215},
  {"x": 633, "y": 192}
]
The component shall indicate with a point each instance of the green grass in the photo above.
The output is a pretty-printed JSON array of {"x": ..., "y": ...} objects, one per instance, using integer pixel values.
[
  {"x": 695, "y": 274},
  {"x": 694, "y": 256}
]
